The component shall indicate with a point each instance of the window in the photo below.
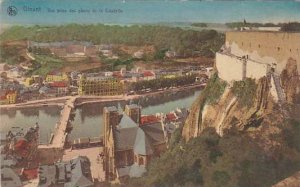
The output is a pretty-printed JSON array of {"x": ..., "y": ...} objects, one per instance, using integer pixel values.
[
  {"x": 278, "y": 48},
  {"x": 141, "y": 161},
  {"x": 258, "y": 45}
]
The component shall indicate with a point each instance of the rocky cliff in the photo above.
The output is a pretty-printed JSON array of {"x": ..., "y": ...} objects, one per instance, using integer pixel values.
[{"x": 245, "y": 105}]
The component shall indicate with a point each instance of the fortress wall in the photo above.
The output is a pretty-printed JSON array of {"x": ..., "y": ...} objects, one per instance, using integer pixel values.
[
  {"x": 256, "y": 70},
  {"x": 229, "y": 68},
  {"x": 266, "y": 47}
]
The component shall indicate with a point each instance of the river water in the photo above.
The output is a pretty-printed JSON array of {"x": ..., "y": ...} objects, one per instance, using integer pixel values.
[{"x": 88, "y": 120}]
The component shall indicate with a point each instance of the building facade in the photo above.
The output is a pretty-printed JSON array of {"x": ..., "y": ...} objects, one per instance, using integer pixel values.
[
  {"x": 57, "y": 77},
  {"x": 103, "y": 86}
]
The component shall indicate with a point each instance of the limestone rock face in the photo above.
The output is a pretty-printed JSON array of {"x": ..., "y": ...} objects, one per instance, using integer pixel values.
[
  {"x": 229, "y": 112},
  {"x": 290, "y": 82}
]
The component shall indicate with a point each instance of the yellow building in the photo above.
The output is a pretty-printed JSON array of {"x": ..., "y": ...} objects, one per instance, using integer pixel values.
[
  {"x": 11, "y": 97},
  {"x": 170, "y": 76},
  {"x": 29, "y": 81},
  {"x": 100, "y": 86},
  {"x": 52, "y": 77}
]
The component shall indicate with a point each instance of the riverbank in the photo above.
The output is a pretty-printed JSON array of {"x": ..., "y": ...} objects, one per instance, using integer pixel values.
[{"x": 81, "y": 100}]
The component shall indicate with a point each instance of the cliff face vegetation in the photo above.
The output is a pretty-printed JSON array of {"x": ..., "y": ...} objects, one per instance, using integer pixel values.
[
  {"x": 239, "y": 106},
  {"x": 235, "y": 135}
]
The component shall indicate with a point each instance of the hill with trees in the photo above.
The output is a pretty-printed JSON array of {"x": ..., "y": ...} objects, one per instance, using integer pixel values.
[{"x": 184, "y": 42}]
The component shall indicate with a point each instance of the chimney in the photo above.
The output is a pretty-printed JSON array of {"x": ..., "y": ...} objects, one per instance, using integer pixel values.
[{"x": 134, "y": 112}]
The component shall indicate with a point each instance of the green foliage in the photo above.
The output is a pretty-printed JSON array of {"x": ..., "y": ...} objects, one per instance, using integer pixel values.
[
  {"x": 9, "y": 54},
  {"x": 221, "y": 178},
  {"x": 291, "y": 131},
  {"x": 242, "y": 24},
  {"x": 214, "y": 89},
  {"x": 45, "y": 64},
  {"x": 39, "y": 51},
  {"x": 163, "y": 83},
  {"x": 291, "y": 26},
  {"x": 199, "y": 24},
  {"x": 243, "y": 162},
  {"x": 114, "y": 63},
  {"x": 162, "y": 37},
  {"x": 160, "y": 54},
  {"x": 175, "y": 138},
  {"x": 245, "y": 91}
]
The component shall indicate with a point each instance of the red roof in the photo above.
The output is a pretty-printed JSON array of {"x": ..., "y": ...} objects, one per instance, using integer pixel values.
[
  {"x": 59, "y": 84},
  {"x": 149, "y": 119},
  {"x": 21, "y": 145},
  {"x": 10, "y": 92},
  {"x": 148, "y": 74},
  {"x": 117, "y": 74},
  {"x": 30, "y": 173},
  {"x": 171, "y": 117},
  {"x": 3, "y": 97}
]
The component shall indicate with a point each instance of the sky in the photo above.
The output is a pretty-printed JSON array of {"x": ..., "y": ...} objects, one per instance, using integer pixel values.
[{"x": 49, "y": 12}]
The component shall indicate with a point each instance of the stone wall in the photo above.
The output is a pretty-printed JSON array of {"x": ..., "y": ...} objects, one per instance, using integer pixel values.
[
  {"x": 266, "y": 47},
  {"x": 229, "y": 68},
  {"x": 256, "y": 70}
]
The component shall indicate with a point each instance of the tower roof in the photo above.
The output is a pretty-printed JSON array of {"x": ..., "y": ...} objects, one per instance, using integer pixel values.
[
  {"x": 127, "y": 122},
  {"x": 142, "y": 144}
]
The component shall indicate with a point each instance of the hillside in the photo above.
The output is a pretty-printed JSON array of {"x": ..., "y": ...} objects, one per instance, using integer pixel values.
[
  {"x": 162, "y": 37},
  {"x": 235, "y": 135}
]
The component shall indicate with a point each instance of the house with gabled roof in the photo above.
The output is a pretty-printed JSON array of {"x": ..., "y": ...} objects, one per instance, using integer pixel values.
[{"x": 75, "y": 172}]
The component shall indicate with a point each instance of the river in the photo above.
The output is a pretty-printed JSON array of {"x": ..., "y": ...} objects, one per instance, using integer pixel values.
[{"x": 88, "y": 117}]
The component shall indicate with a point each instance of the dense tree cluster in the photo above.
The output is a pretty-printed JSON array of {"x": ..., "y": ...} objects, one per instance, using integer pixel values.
[
  {"x": 184, "y": 42},
  {"x": 232, "y": 160},
  {"x": 292, "y": 27},
  {"x": 253, "y": 24},
  {"x": 163, "y": 83},
  {"x": 199, "y": 24}
]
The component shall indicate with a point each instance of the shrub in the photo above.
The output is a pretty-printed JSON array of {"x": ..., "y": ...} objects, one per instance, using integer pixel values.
[
  {"x": 214, "y": 89},
  {"x": 245, "y": 91}
]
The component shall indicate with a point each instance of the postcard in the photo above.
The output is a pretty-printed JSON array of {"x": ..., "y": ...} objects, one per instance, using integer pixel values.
[{"x": 150, "y": 93}]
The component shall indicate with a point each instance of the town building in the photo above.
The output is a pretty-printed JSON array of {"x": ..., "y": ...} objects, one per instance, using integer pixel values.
[
  {"x": 9, "y": 178},
  {"x": 100, "y": 86},
  {"x": 35, "y": 79},
  {"x": 22, "y": 144},
  {"x": 61, "y": 87},
  {"x": 54, "y": 77},
  {"x": 8, "y": 96},
  {"x": 11, "y": 96},
  {"x": 75, "y": 172},
  {"x": 128, "y": 145}
]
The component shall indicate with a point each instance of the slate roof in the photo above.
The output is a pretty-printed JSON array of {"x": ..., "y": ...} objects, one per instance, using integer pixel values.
[
  {"x": 10, "y": 178},
  {"x": 126, "y": 122},
  {"x": 142, "y": 144},
  {"x": 129, "y": 135},
  {"x": 154, "y": 133},
  {"x": 77, "y": 170},
  {"x": 125, "y": 138}
]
